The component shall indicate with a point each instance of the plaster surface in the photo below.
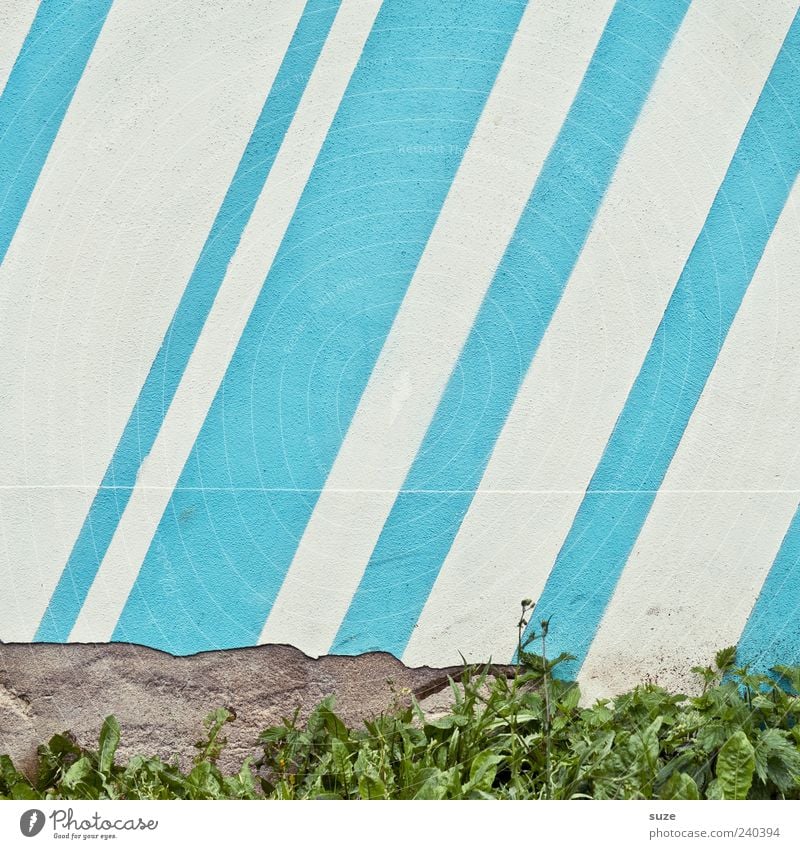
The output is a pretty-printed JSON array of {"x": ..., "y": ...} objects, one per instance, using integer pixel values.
[{"x": 348, "y": 324}]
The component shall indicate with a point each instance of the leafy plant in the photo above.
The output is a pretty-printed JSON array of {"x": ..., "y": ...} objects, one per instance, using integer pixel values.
[
  {"x": 522, "y": 735},
  {"x": 68, "y": 771}
]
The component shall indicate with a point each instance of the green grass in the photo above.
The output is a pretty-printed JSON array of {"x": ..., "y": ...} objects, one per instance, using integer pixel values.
[{"x": 519, "y": 737}]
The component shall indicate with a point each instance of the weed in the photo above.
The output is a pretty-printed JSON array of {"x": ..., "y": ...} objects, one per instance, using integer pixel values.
[{"x": 523, "y": 737}]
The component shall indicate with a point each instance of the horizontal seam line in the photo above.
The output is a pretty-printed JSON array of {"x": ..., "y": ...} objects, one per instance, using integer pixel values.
[{"x": 345, "y": 491}]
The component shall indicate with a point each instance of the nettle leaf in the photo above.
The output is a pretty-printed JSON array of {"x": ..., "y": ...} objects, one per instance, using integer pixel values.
[
  {"x": 763, "y": 703},
  {"x": 712, "y": 735},
  {"x": 735, "y": 766},
  {"x": 790, "y": 675},
  {"x": 777, "y": 759},
  {"x": 570, "y": 698},
  {"x": 600, "y": 714},
  {"x": 725, "y": 658}
]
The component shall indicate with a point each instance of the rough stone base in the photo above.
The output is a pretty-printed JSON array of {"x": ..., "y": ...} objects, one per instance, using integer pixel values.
[{"x": 161, "y": 700}]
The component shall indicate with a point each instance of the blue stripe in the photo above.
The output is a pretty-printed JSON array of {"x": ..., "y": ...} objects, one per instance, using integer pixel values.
[
  {"x": 170, "y": 362},
  {"x": 511, "y": 322},
  {"x": 37, "y": 94},
  {"x": 772, "y": 633},
  {"x": 681, "y": 356},
  {"x": 220, "y": 554}
]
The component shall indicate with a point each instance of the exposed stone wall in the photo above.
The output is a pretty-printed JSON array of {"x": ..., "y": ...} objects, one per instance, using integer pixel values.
[{"x": 160, "y": 700}]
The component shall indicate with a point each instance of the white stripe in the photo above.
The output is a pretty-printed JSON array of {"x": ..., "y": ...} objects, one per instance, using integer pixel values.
[
  {"x": 519, "y": 124},
  {"x": 103, "y": 251},
  {"x": 235, "y": 300},
  {"x": 16, "y": 17},
  {"x": 576, "y": 387},
  {"x": 701, "y": 558}
]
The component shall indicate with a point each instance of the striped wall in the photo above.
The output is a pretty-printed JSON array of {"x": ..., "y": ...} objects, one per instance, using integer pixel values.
[{"x": 348, "y": 324}]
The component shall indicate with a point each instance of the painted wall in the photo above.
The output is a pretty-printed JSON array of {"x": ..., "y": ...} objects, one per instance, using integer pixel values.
[{"x": 350, "y": 324}]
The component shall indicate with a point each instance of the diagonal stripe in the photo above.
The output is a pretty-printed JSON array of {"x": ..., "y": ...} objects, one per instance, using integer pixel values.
[
  {"x": 771, "y": 634},
  {"x": 220, "y": 554},
  {"x": 36, "y": 96},
  {"x": 483, "y": 206},
  {"x": 170, "y": 362},
  {"x": 16, "y": 17},
  {"x": 727, "y": 498},
  {"x": 425, "y": 517},
  {"x": 682, "y": 354},
  {"x": 565, "y": 410},
  {"x": 93, "y": 276},
  {"x": 237, "y": 294}
]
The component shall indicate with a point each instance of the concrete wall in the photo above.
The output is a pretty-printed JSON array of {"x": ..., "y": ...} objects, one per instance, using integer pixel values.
[{"x": 348, "y": 325}]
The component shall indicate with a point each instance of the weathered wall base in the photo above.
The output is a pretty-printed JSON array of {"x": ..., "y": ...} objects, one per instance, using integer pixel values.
[{"x": 161, "y": 700}]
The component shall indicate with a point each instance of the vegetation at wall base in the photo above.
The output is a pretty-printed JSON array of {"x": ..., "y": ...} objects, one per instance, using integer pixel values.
[{"x": 520, "y": 737}]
